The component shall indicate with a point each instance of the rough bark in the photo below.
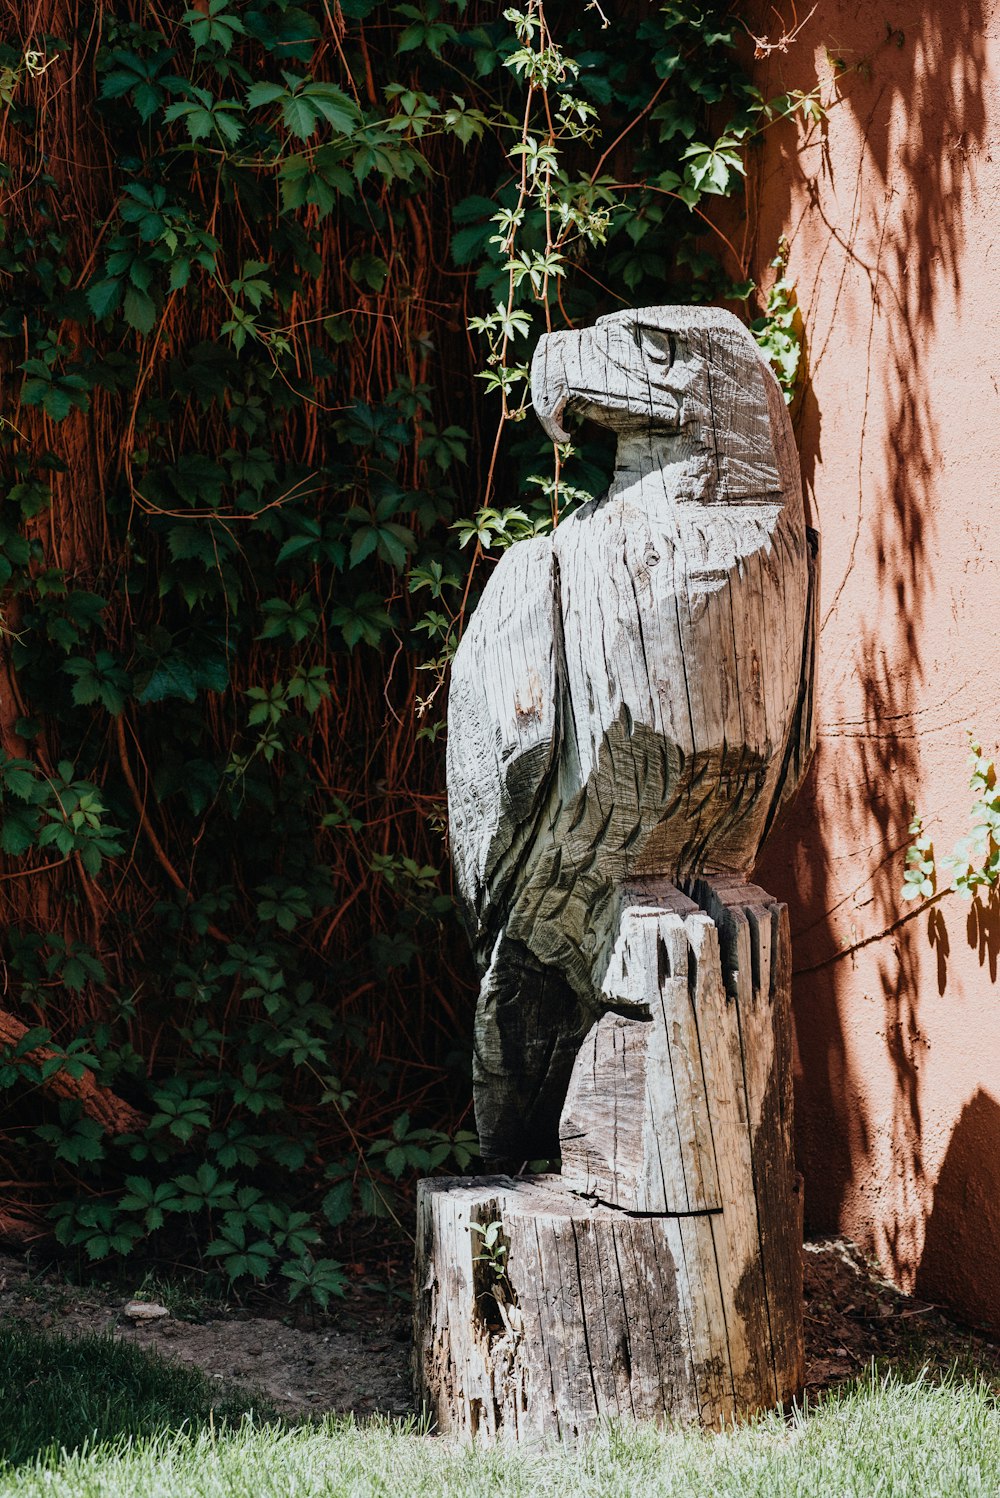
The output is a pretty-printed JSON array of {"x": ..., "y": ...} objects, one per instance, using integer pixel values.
[{"x": 99, "y": 1103}]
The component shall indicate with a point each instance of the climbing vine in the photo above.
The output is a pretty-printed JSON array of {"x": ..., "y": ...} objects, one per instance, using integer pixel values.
[{"x": 271, "y": 276}]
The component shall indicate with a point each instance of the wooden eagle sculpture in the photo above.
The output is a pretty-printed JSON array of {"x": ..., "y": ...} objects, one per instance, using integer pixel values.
[{"x": 633, "y": 696}]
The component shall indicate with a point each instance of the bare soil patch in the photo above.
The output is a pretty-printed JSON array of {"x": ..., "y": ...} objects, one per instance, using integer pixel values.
[
  {"x": 854, "y": 1317},
  {"x": 357, "y": 1359}
]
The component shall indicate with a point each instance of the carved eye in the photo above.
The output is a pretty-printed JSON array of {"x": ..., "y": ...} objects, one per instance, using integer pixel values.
[{"x": 658, "y": 347}]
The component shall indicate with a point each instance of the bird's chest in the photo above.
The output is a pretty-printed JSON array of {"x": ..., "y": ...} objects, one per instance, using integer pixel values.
[{"x": 672, "y": 621}]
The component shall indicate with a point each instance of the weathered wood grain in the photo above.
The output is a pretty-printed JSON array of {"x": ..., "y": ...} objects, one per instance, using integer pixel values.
[
  {"x": 660, "y": 1274},
  {"x": 753, "y": 926},
  {"x": 633, "y": 694},
  {"x": 593, "y": 1316},
  {"x": 688, "y": 1108},
  {"x": 630, "y": 707},
  {"x": 636, "y": 1128}
]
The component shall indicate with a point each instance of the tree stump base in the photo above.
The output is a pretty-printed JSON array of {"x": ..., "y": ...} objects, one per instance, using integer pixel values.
[{"x": 660, "y": 1275}]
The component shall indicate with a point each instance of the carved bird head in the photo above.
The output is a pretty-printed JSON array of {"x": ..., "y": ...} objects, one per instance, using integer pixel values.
[{"x": 693, "y": 373}]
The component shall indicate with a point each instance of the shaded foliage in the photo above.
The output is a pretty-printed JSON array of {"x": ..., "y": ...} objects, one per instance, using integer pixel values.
[{"x": 242, "y": 455}]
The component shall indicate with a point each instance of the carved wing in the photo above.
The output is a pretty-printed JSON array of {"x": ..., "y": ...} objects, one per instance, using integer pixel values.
[{"x": 503, "y": 724}]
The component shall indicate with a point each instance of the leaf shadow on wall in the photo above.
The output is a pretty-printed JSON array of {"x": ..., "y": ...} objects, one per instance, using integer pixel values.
[{"x": 893, "y": 214}]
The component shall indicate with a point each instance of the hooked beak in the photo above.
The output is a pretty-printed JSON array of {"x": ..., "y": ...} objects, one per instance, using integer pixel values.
[{"x": 551, "y": 386}]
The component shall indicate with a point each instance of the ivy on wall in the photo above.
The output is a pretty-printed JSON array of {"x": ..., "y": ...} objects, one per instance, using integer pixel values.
[{"x": 271, "y": 276}]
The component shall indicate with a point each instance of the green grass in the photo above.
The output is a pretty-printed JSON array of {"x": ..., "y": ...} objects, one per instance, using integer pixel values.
[
  {"x": 67, "y": 1392},
  {"x": 880, "y": 1438}
]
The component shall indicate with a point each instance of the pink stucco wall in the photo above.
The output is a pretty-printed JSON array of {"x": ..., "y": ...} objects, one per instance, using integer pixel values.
[{"x": 892, "y": 209}]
